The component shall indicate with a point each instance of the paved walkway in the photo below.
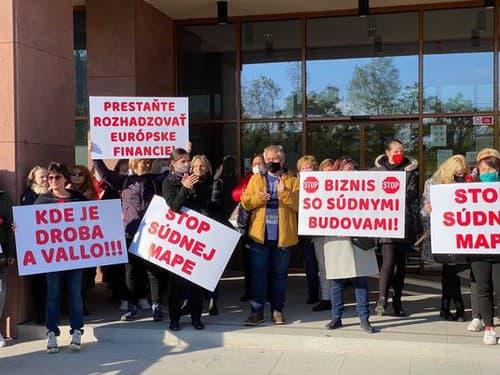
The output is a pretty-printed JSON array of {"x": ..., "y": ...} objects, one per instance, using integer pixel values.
[{"x": 417, "y": 344}]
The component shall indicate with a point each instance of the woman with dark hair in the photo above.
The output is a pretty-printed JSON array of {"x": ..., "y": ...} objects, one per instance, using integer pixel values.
[
  {"x": 192, "y": 190},
  {"x": 59, "y": 177},
  {"x": 137, "y": 190},
  {"x": 394, "y": 250},
  {"x": 486, "y": 268}
]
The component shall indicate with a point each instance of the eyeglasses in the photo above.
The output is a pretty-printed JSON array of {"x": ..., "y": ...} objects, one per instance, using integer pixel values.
[
  {"x": 56, "y": 178},
  {"x": 78, "y": 174}
]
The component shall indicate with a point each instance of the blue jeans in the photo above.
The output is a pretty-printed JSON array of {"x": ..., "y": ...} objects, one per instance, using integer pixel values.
[
  {"x": 268, "y": 259},
  {"x": 360, "y": 291},
  {"x": 311, "y": 267},
  {"x": 73, "y": 279}
]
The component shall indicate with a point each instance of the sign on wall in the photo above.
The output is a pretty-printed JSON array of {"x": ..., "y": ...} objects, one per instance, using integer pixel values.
[
  {"x": 187, "y": 243},
  {"x": 137, "y": 127},
  {"x": 465, "y": 218},
  {"x": 362, "y": 204},
  {"x": 58, "y": 237}
]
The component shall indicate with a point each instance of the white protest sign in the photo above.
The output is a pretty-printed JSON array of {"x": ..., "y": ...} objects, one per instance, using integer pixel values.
[
  {"x": 58, "y": 237},
  {"x": 188, "y": 244},
  {"x": 361, "y": 204},
  {"x": 137, "y": 127},
  {"x": 465, "y": 218}
]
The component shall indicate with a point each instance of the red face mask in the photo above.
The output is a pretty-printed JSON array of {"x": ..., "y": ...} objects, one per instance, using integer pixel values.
[{"x": 398, "y": 158}]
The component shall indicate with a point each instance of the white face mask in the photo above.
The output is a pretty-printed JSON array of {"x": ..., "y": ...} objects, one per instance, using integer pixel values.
[
  {"x": 256, "y": 169},
  {"x": 163, "y": 169},
  {"x": 182, "y": 169}
]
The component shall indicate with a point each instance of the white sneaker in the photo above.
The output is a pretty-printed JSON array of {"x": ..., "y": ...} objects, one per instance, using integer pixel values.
[
  {"x": 52, "y": 343},
  {"x": 144, "y": 304},
  {"x": 123, "y": 305},
  {"x": 2, "y": 341},
  {"x": 476, "y": 325},
  {"x": 76, "y": 340},
  {"x": 490, "y": 337}
]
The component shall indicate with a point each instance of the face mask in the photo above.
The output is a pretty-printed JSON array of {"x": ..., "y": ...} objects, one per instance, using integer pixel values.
[
  {"x": 398, "y": 158},
  {"x": 459, "y": 178},
  {"x": 306, "y": 169},
  {"x": 489, "y": 177},
  {"x": 182, "y": 169},
  {"x": 256, "y": 169},
  {"x": 163, "y": 169},
  {"x": 273, "y": 167}
]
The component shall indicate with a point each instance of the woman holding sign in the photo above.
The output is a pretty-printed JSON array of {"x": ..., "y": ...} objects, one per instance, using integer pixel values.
[
  {"x": 486, "y": 268},
  {"x": 453, "y": 170},
  {"x": 58, "y": 177},
  {"x": 199, "y": 192},
  {"x": 394, "y": 250},
  {"x": 137, "y": 190},
  {"x": 343, "y": 262}
]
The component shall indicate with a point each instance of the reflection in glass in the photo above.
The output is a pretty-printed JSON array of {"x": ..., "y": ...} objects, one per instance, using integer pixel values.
[
  {"x": 444, "y": 137},
  {"x": 362, "y": 66},
  {"x": 271, "y": 75},
  {"x": 81, "y": 145},
  {"x": 206, "y": 70},
  {"x": 257, "y": 136},
  {"x": 81, "y": 94},
  {"x": 333, "y": 140},
  {"x": 376, "y": 136},
  {"x": 458, "y": 60}
]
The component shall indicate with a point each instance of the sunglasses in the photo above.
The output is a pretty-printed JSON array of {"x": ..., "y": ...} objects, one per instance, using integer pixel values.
[
  {"x": 56, "y": 178},
  {"x": 78, "y": 174}
]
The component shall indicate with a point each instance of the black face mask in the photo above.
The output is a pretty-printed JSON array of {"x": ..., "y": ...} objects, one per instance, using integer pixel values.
[
  {"x": 273, "y": 167},
  {"x": 459, "y": 178}
]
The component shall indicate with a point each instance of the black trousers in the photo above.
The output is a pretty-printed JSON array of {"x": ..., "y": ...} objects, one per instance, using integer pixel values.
[
  {"x": 176, "y": 293},
  {"x": 487, "y": 276},
  {"x": 393, "y": 269},
  {"x": 450, "y": 286}
]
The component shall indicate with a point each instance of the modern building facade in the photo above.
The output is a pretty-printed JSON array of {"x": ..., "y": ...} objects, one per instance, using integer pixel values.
[{"x": 312, "y": 76}]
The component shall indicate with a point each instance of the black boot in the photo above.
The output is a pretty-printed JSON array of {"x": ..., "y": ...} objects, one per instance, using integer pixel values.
[
  {"x": 323, "y": 305},
  {"x": 445, "y": 310},
  {"x": 397, "y": 306},
  {"x": 460, "y": 311}
]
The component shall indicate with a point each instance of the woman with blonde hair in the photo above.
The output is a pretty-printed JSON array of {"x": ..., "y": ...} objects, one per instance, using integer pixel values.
[
  {"x": 453, "y": 170},
  {"x": 36, "y": 184}
]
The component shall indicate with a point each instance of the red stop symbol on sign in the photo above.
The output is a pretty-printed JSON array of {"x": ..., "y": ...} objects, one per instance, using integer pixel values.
[
  {"x": 310, "y": 184},
  {"x": 390, "y": 185}
]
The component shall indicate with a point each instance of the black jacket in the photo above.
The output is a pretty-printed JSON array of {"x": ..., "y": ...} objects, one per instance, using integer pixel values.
[
  {"x": 205, "y": 197},
  {"x": 412, "y": 220}
]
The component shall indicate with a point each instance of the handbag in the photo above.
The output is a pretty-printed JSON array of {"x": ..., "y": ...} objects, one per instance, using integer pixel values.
[
  {"x": 365, "y": 243},
  {"x": 239, "y": 218}
]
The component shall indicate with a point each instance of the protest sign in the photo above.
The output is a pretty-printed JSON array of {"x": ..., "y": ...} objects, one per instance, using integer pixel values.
[
  {"x": 187, "y": 243},
  {"x": 137, "y": 127},
  {"x": 361, "y": 204},
  {"x": 58, "y": 237},
  {"x": 465, "y": 218}
]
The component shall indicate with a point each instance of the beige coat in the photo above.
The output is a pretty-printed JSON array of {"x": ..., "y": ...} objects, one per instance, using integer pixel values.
[{"x": 343, "y": 260}]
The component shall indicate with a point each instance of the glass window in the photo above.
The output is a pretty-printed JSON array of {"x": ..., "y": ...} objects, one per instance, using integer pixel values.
[
  {"x": 376, "y": 136},
  {"x": 257, "y": 136},
  {"x": 362, "y": 66},
  {"x": 206, "y": 70},
  {"x": 458, "y": 60},
  {"x": 271, "y": 75},
  {"x": 329, "y": 140},
  {"x": 444, "y": 137},
  {"x": 81, "y": 146}
]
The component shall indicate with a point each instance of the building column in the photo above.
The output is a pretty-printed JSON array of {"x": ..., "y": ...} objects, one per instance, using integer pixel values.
[
  {"x": 36, "y": 108},
  {"x": 129, "y": 49}
]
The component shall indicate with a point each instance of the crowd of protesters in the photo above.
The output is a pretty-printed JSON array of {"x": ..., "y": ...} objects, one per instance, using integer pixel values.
[{"x": 269, "y": 194}]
